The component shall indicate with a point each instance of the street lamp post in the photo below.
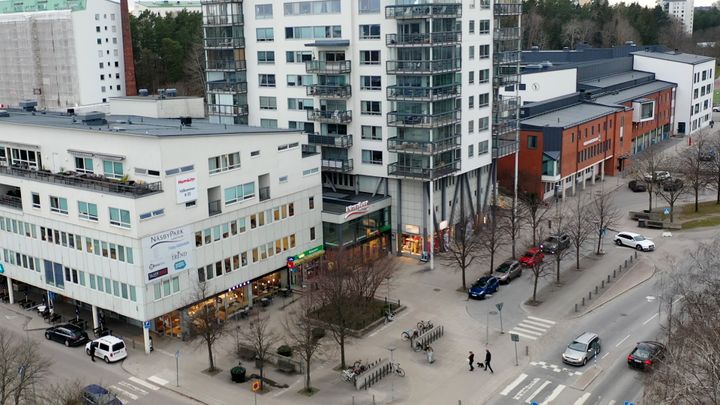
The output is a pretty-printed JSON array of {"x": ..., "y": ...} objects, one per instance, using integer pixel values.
[{"x": 391, "y": 349}]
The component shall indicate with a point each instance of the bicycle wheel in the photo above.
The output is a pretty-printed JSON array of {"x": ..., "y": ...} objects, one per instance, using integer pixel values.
[
  {"x": 405, "y": 336},
  {"x": 400, "y": 371},
  {"x": 421, "y": 325},
  {"x": 417, "y": 347},
  {"x": 357, "y": 364}
]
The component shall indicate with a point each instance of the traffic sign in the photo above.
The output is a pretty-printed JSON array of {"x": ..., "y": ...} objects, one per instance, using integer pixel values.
[
  {"x": 666, "y": 211},
  {"x": 146, "y": 324},
  {"x": 514, "y": 337},
  {"x": 256, "y": 386},
  {"x": 499, "y": 306}
]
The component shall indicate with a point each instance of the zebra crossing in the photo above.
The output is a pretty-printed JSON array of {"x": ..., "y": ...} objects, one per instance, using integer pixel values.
[
  {"x": 533, "y": 389},
  {"x": 532, "y": 327},
  {"x": 132, "y": 389}
]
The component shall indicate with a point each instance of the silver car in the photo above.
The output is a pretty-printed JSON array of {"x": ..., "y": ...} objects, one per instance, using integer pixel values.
[
  {"x": 507, "y": 271},
  {"x": 582, "y": 349}
]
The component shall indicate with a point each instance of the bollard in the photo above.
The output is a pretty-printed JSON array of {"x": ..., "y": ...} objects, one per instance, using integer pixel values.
[
  {"x": 636, "y": 254},
  {"x": 602, "y": 284},
  {"x": 353, "y": 400},
  {"x": 620, "y": 268},
  {"x": 608, "y": 279},
  {"x": 589, "y": 295},
  {"x": 583, "y": 301},
  {"x": 596, "y": 290},
  {"x": 626, "y": 263},
  {"x": 613, "y": 274},
  {"x": 631, "y": 258},
  {"x": 576, "y": 307},
  {"x": 373, "y": 399},
  {"x": 527, "y": 350}
]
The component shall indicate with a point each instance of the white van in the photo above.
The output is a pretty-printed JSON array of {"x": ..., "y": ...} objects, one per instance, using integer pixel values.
[{"x": 108, "y": 348}]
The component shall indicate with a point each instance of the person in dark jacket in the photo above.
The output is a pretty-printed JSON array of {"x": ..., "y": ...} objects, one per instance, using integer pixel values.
[
  {"x": 488, "y": 356},
  {"x": 92, "y": 352},
  {"x": 471, "y": 358}
]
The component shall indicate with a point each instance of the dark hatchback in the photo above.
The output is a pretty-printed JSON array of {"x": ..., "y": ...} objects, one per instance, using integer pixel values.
[
  {"x": 70, "y": 335},
  {"x": 645, "y": 355},
  {"x": 96, "y": 395},
  {"x": 483, "y": 286},
  {"x": 637, "y": 186}
]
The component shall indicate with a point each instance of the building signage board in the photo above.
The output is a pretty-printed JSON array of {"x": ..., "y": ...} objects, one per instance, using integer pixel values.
[
  {"x": 356, "y": 209},
  {"x": 186, "y": 188},
  {"x": 167, "y": 253}
]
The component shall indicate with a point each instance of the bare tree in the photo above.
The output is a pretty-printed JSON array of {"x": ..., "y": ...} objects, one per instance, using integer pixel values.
[
  {"x": 261, "y": 339},
  {"x": 64, "y": 393},
  {"x": 578, "y": 31},
  {"x": 690, "y": 163},
  {"x": 366, "y": 275},
  {"x": 299, "y": 327},
  {"x": 533, "y": 26},
  {"x": 560, "y": 228},
  {"x": 604, "y": 214},
  {"x": 205, "y": 324},
  {"x": 195, "y": 69},
  {"x": 538, "y": 270},
  {"x": 671, "y": 190},
  {"x": 511, "y": 222},
  {"x": 645, "y": 167},
  {"x": 491, "y": 238},
  {"x": 22, "y": 368},
  {"x": 535, "y": 209},
  {"x": 579, "y": 227},
  {"x": 713, "y": 165},
  {"x": 463, "y": 248}
]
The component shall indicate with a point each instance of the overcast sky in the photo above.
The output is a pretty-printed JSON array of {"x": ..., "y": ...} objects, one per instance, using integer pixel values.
[{"x": 652, "y": 3}]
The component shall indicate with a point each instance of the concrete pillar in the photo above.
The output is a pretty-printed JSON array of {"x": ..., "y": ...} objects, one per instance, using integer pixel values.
[
  {"x": 11, "y": 295},
  {"x": 602, "y": 171},
  {"x": 592, "y": 174},
  {"x": 574, "y": 183},
  {"x": 146, "y": 339},
  {"x": 249, "y": 294},
  {"x": 96, "y": 322},
  {"x": 583, "y": 178}
]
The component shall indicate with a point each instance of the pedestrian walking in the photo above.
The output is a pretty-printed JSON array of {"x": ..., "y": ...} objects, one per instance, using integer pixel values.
[
  {"x": 488, "y": 356},
  {"x": 471, "y": 359},
  {"x": 92, "y": 352}
]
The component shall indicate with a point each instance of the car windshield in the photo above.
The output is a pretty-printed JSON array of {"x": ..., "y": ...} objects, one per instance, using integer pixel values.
[
  {"x": 639, "y": 238},
  {"x": 528, "y": 254},
  {"x": 481, "y": 282},
  {"x": 577, "y": 346},
  {"x": 642, "y": 353},
  {"x": 503, "y": 268},
  {"x": 118, "y": 346}
]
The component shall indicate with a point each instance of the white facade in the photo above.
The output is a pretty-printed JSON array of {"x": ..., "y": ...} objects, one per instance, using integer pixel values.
[
  {"x": 165, "y": 7},
  {"x": 92, "y": 229},
  {"x": 63, "y": 57},
  {"x": 544, "y": 85},
  {"x": 694, "y": 76},
  {"x": 682, "y": 10}
]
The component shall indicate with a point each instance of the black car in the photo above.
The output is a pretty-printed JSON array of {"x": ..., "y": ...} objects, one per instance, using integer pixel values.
[
  {"x": 96, "y": 395},
  {"x": 637, "y": 186},
  {"x": 645, "y": 355},
  {"x": 672, "y": 185},
  {"x": 70, "y": 335},
  {"x": 555, "y": 243}
]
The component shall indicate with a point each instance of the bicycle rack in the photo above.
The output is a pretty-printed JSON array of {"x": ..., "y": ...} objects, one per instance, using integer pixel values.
[
  {"x": 428, "y": 337},
  {"x": 381, "y": 369}
]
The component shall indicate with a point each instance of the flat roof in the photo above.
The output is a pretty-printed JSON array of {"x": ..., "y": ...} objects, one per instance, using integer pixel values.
[
  {"x": 634, "y": 93},
  {"x": 676, "y": 57},
  {"x": 569, "y": 116},
  {"x": 166, "y": 4},
  {"x": 136, "y": 125},
  {"x": 616, "y": 79},
  {"x": 335, "y": 201},
  {"x": 25, "y": 6}
]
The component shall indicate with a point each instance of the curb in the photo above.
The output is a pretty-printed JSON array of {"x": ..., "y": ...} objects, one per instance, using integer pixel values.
[
  {"x": 182, "y": 394},
  {"x": 596, "y": 371}
]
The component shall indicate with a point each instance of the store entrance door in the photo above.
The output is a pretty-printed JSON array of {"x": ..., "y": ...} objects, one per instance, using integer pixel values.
[{"x": 169, "y": 324}]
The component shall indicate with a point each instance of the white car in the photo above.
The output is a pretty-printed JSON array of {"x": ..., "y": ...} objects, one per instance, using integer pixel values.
[
  {"x": 659, "y": 176},
  {"x": 716, "y": 109},
  {"x": 634, "y": 240},
  {"x": 108, "y": 348}
]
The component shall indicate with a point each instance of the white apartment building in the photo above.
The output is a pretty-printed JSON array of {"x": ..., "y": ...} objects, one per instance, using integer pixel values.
[
  {"x": 694, "y": 76},
  {"x": 395, "y": 94},
  {"x": 682, "y": 10},
  {"x": 129, "y": 214},
  {"x": 63, "y": 54},
  {"x": 165, "y": 7}
]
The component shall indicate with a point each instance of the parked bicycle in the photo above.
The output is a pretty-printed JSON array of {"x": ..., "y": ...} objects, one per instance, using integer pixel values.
[
  {"x": 356, "y": 369},
  {"x": 396, "y": 369},
  {"x": 409, "y": 334},
  {"x": 424, "y": 326}
]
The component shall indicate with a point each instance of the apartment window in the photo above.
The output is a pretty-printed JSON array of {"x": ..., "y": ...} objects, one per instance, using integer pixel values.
[
  {"x": 471, "y": 126},
  {"x": 282, "y": 179},
  {"x": 263, "y": 11},
  {"x": 59, "y": 205},
  {"x": 321, "y": 31},
  {"x": 266, "y": 80},
  {"x": 103, "y": 89},
  {"x": 484, "y": 51},
  {"x": 370, "y": 83},
  {"x": 268, "y": 123},
  {"x": 484, "y": 27},
  {"x": 483, "y": 123},
  {"x": 373, "y": 157},
  {"x": 222, "y": 163},
  {"x": 308, "y": 127},
  {"x": 87, "y": 211},
  {"x": 83, "y": 165},
  {"x": 371, "y": 132},
  {"x": 298, "y": 56},
  {"x": 484, "y": 76},
  {"x": 312, "y": 233},
  {"x": 113, "y": 169},
  {"x": 483, "y": 147},
  {"x": 369, "y": 6},
  {"x": 311, "y": 203},
  {"x": 369, "y": 57},
  {"x": 370, "y": 31},
  {"x": 99, "y": 41},
  {"x": 264, "y": 34},
  {"x": 471, "y": 151},
  {"x": 471, "y": 77},
  {"x": 484, "y": 100},
  {"x": 268, "y": 103},
  {"x": 101, "y": 65},
  {"x": 239, "y": 193},
  {"x": 471, "y": 102},
  {"x": 115, "y": 41},
  {"x": 484, "y": 3},
  {"x": 471, "y": 52},
  {"x": 36, "y": 200},
  {"x": 119, "y": 217},
  {"x": 299, "y": 80},
  {"x": 300, "y": 104},
  {"x": 370, "y": 108},
  {"x": 312, "y": 7},
  {"x": 267, "y": 57},
  {"x": 532, "y": 141}
]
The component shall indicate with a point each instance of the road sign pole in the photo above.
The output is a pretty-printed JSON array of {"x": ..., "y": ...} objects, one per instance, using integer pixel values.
[
  {"x": 177, "y": 368},
  {"x": 499, "y": 307},
  {"x": 516, "y": 357}
]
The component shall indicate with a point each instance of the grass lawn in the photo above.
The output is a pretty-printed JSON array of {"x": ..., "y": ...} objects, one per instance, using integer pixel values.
[
  {"x": 705, "y": 209},
  {"x": 716, "y": 97},
  {"x": 701, "y": 223},
  {"x": 362, "y": 317}
]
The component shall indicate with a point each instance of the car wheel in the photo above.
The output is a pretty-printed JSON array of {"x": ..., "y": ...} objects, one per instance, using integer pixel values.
[
  {"x": 67, "y": 343},
  {"x": 47, "y": 336},
  {"x": 618, "y": 242},
  {"x": 638, "y": 247},
  {"x": 585, "y": 361},
  {"x": 107, "y": 360}
]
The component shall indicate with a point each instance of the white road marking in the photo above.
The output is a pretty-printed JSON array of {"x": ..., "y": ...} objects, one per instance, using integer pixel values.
[
  {"x": 553, "y": 394},
  {"x": 537, "y": 391},
  {"x": 158, "y": 380},
  {"x": 527, "y": 387},
  {"x": 143, "y": 383},
  {"x": 132, "y": 387},
  {"x": 125, "y": 393},
  {"x": 526, "y": 326},
  {"x": 650, "y": 319},
  {"x": 513, "y": 384},
  {"x": 532, "y": 332},
  {"x": 605, "y": 355},
  {"x": 540, "y": 324},
  {"x": 611, "y": 402},
  {"x": 582, "y": 399},
  {"x": 298, "y": 381},
  {"x": 524, "y": 335},
  {"x": 542, "y": 320},
  {"x": 621, "y": 342}
]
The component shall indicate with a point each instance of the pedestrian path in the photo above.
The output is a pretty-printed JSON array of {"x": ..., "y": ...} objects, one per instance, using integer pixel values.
[
  {"x": 532, "y": 327},
  {"x": 132, "y": 389}
]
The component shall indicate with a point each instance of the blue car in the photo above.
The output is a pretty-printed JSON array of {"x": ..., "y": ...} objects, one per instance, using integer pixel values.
[{"x": 483, "y": 286}]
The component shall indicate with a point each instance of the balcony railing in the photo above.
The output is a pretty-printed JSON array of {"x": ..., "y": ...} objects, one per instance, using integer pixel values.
[
  {"x": 337, "y": 165},
  {"x": 264, "y": 193},
  {"x": 225, "y": 42},
  {"x": 507, "y": 7},
  {"x": 506, "y": 107},
  {"x": 224, "y": 87},
  {"x": 506, "y": 79},
  {"x": 333, "y": 117},
  {"x": 227, "y": 65},
  {"x": 423, "y": 39},
  {"x": 396, "y": 169},
  {"x": 399, "y": 145},
  {"x": 447, "y": 9},
  {"x": 325, "y": 91},
  {"x": 503, "y": 147},
  {"x": 333, "y": 141},
  {"x": 399, "y": 93},
  {"x": 214, "y": 207},
  {"x": 412, "y": 120},
  {"x": 220, "y": 20},
  {"x": 422, "y": 67},
  {"x": 506, "y": 57},
  {"x": 327, "y": 67},
  {"x": 505, "y": 34},
  {"x": 100, "y": 184},
  {"x": 503, "y": 127},
  {"x": 228, "y": 110},
  {"x": 11, "y": 201}
]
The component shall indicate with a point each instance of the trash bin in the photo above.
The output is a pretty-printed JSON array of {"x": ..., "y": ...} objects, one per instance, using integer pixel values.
[
  {"x": 642, "y": 223},
  {"x": 429, "y": 353},
  {"x": 237, "y": 374}
]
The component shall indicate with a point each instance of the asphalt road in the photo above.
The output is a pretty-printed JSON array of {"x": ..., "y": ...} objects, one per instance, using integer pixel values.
[{"x": 72, "y": 364}]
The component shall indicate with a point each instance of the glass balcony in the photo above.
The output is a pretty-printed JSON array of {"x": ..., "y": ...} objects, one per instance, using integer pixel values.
[
  {"x": 324, "y": 91},
  {"x": 506, "y": 79},
  {"x": 506, "y": 57},
  {"x": 333, "y": 141},
  {"x": 337, "y": 165},
  {"x": 507, "y": 7},
  {"x": 503, "y": 147},
  {"x": 400, "y": 93},
  {"x": 504, "y": 127},
  {"x": 426, "y": 173},
  {"x": 226, "y": 65},
  {"x": 328, "y": 68},
  {"x": 399, "y": 145},
  {"x": 506, "y": 34},
  {"x": 228, "y": 110},
  {"x": 11, "y": 201},
  {"x": 224, "y": 43},
  {"x": 422, "y": 67},
  {"x": 425, "y": 39},
  {"x": 222, "y": 20},
  {"x": 445, "y": 9},
  {"x": 332, "y": 117},
  {"x": 91, "y": 182},
  {"x": 413, "y": 120},
  {"x": 506, "y": 107},
  {"x": 225, "y": 87}
]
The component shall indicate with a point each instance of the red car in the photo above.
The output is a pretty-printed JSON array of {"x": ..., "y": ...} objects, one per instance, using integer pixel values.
[{"x": 532, "y": 257}]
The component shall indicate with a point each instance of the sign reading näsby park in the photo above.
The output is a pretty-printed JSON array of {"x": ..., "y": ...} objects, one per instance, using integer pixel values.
[{"x": 167, "y": 253}]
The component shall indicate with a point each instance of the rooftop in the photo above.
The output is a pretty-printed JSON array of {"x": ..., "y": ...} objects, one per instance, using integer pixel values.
[
  {"x": 23, "y": 6},
  {"x": 634, "y": 93},
  {"x": 569, "y": 116},
  {"x": 168, "y": 4},
  {"x": 336, "y": 201},
  {"x": 135, "y": 125},
  {"x": 676, "y": 57},
  {"x": 617, "y": 79}
]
